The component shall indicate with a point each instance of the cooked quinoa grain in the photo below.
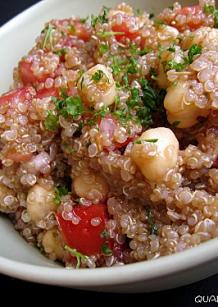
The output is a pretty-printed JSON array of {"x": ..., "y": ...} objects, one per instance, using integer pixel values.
[{"x": 109, "y": 136}]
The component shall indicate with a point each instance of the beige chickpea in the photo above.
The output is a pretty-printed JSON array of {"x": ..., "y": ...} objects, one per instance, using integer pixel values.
[
  {"x": 53, "y": 244},
  {"x": 90, "y": 186},
  {"x": 8, "y": 201},
  {"x": 155, "y": 159},
  {"x": 178, "y": 110},
  {"x": 167, "y": 34},
  {"x": 40, "y": 202},
  {"x": 97, "y": 87}
]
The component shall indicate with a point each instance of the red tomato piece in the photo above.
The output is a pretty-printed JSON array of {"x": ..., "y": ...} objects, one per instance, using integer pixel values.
[
  {"x": 12, "y": 98},
  {"x": 84, "y": 237},
  {"x": 82, "y": 31},
  {"x": 27, "y": 75},
  {"x": 123, "y": 28},
  {"x": 192, "y": 11},
  {"x": 47, "y": 92}
]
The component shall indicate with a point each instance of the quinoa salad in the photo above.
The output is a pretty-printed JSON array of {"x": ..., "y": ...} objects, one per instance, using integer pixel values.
[{"x": 109, "y": 136}]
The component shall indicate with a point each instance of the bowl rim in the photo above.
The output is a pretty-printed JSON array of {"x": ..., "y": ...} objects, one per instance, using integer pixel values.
[{"x": 125, "y": 274}]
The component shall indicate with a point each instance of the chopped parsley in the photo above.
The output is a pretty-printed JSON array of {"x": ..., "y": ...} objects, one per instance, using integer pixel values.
[
  {"x": 151, "y": 222},
  {"x": 148, "y": 141},
  {"x": 193, "y": 51},
  {"x": 84, "y": 20},
  {"x": 135, "y": 98},
  {"x": 79, "y": 256},
  {"x": 68, "y": 105},
  {"x": 59, "y": 192},
  {"x": 105, "y": 234},
  {"x": 176, "y": 123},
  {"x": 98, "y": 75},
  {"x": 102, "y": 18},
  {"x": 51, "y": 122},
  {"x": 48, "y": 37},
  {"x": 61, "y": 52},
  {"x": 211, "y": 10},
  {"x": 151, "y": 140},
  {"x": 103, "y": 48},
  {"x": 158, "y": 22},
  {"x": 105, "y": 34},
  {"x": 106, "y": 250},
  {"x": 172, "y": 64},
  {"x": 133, "y": 66},
  {"x": 171, "y": 49}
]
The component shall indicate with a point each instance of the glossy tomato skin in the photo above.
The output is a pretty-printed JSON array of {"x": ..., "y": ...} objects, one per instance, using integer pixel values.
[
  {"x": 47, "y": 92},
  {"x": 24, "y": 95},
  {"x": 11, "y": 99},
  {"x": 192, "y": 11},
  {"x": 27, "y": 75},
  {"x": 84, "y": 237},
  {"x": 124, "y": 28}
]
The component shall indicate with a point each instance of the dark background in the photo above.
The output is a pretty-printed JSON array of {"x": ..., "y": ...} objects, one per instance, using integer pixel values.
[{"x": 183, "y": 297}]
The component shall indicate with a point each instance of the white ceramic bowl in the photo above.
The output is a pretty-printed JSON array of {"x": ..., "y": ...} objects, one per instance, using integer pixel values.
[{"x": 20, "y": 260}]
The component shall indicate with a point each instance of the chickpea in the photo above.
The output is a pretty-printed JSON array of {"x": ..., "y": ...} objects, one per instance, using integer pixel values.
[
  {"x": 97, "y": 87},
  {"x": 91, "y": 186},
  {"x": 8, "y": 201},
  {"x": 53, "y": 244},
  {"x": 178, "y": 110},
  {"x": 40, "y": 203},
  {"x": 167, "y": 34},
  {"x": 155, "y": 159}
]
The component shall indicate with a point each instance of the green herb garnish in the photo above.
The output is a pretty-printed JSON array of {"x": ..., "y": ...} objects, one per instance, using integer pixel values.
[
  {"x": 79, "y": 256},
  {"x": 133, "y": 66},
  {"x": 172, "y": 64},
  {"x": 59, "y": 192},
  {"x": 61, "y": 52},
  {"x": 193, "y": 51},
  {"x": 103, "y": 48},
  {"x": 151, "y": 140},
  {"x": 106, "y": 250},
  {"x": 98, "y": 75},
  {"x": 105, "y": 34},
  {"x": 51, "y": 122},
  {"x": 151, "y": 222},
  {"x": 135, "y": 98},
  {"x": 171, "y": 49},
  {"x": 102, "y": 18},
  {"x": 68, "y": 105},
  {"x": 176, "y": 123},
  {"x": 48, "y": 37},
  {"x": 105, "y": 234},
  {"x": 84, "y": 20},
  {"x": 158, "y": 22}
]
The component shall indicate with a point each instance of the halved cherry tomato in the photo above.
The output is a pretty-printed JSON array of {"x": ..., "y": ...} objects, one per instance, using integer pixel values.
[
  {"x": 123, "y": 28},
  {"x": 192, "y": 11},
  {"x": 82, "y": 31},
  {"x": 27, "y": 75},
  {"x": 84, "y": 237},
  {"x": 12, "y": 98},
  {"x": 47, "y": 92}
]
